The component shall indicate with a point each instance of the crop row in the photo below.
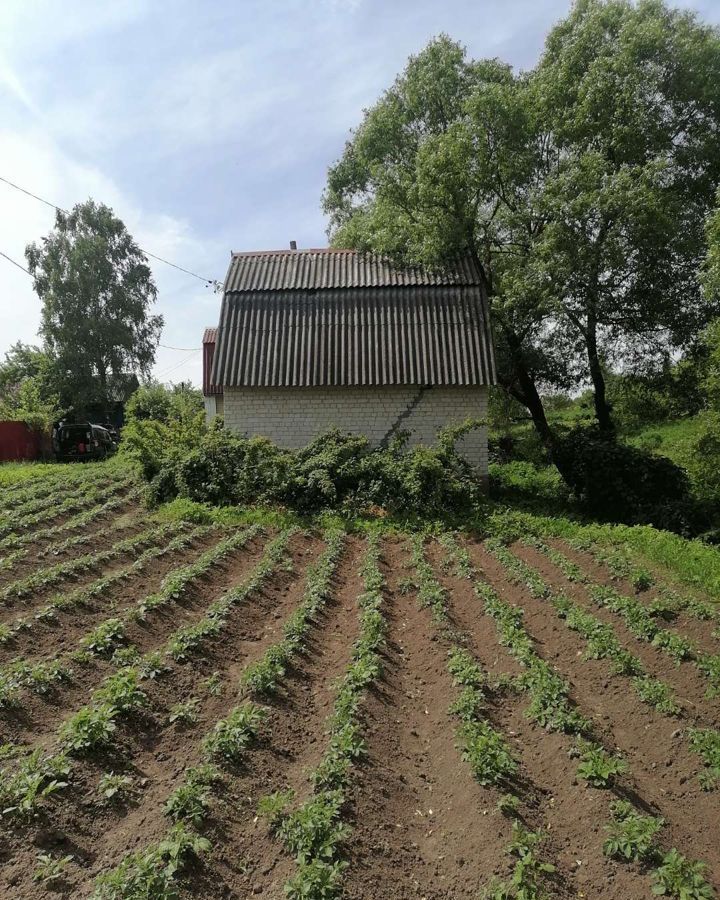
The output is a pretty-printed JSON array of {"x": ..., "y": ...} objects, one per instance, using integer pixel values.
[
  {"x": 72, "y": 502},
  {"x": 669, "y": 603},
  {"x": 107, "y": 637},
  {"x": 640, "y": 620},
  {"x": 96, "y": 508},
  {"x": 35, "y": 504},
  {"x": 630, "y": 832},
  {"x": 484, "y": 748},
  {"x": 315, "y": 831},
  {"x": 84, "y": 594},
  {"x": 603, "y": 644},
  {"x": 148, "y": 872},
  {"x": 93, "y": 726},
  {"x": 48, "y": 576},
  {"x": 65, "y": 478}
]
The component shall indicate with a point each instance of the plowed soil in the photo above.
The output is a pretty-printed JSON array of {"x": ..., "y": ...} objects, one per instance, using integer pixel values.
[{"x": 421, "y": 824}]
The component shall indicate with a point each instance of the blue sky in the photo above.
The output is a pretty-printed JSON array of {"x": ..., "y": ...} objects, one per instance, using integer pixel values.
[{"x": 208, "y": 127}]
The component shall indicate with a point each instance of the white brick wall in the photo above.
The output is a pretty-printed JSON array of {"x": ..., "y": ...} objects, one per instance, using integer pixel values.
[{"x": 291, "y": 417}]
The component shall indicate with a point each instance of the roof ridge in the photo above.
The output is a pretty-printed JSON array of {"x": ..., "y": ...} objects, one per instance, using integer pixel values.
[{"x": 288, "y": 251}]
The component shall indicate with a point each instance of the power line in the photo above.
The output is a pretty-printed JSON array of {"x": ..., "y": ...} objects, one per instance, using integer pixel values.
[
  {"x": 184, "y": 349},
  {"x": 10, "y": 259},
  {"x": 212, "y": 281},
  {"x": 185, "y": 359}
]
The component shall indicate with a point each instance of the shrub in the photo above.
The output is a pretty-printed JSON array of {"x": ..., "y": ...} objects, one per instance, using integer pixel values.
[
  {"x": 333, "y": 471},
  {"x": 617, "y": 482}
]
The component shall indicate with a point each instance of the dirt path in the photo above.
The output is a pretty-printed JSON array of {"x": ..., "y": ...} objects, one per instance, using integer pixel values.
[{"x": 663, "y": 769}]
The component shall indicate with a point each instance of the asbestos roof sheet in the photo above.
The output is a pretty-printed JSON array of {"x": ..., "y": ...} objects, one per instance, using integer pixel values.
[
  {"x": 284, "y": 270},
  {"x": 372, "y": 335}
]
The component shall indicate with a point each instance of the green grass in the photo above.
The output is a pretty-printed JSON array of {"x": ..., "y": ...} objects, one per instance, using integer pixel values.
[
  {"x": 183, "y": 510},
  {"x": 12, "y": 473},
  {"x": 672, "y": 439}
]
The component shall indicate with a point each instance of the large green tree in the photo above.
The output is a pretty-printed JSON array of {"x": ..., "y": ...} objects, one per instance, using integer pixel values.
[
  {"x": 448, "y": 162},
  {"x": 580, "y": 188},
  {"x": 97, "y": 292},
  {"x": 631, "y": 94},
  {"x": 28, "y": 388}
]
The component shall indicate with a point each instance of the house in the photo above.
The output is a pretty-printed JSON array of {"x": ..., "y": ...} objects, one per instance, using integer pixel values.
[
  {"x": 311, "y": 339},
  {"x": 212, "y": 393}
]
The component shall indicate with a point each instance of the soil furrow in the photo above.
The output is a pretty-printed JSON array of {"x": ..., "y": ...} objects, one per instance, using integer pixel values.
[
  {"x": 35, "y": 722},
  {"x": 154, "y": 752},
  {"x": 663, "y": 769},
  {"x": 571, "y": 813},
  {"x": 687, "y": 682}
]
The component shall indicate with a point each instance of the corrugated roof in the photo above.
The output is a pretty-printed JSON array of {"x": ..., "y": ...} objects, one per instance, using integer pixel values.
[
  {"x": 424, "y": 334},
  {"x": 209, "y": 336},
  {"x": 287, "y": 270}
]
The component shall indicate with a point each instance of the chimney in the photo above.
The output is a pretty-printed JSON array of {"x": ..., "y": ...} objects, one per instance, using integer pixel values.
[{"x": 293, "y": 245}]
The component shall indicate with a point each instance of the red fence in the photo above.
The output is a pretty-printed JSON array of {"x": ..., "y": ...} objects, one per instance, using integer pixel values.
[{"x": 17, "y": 441}]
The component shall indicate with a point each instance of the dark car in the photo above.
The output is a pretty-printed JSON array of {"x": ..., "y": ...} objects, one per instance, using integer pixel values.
[{"x": 83, "y": 442}]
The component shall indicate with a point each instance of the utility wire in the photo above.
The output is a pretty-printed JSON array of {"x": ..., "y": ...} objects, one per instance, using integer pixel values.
[
  {"x": 161, "y": 259},
  {"x": 184, "y": 349},
  {"x": 185, "y": 359},
  {"x": 10, "y": 259}
]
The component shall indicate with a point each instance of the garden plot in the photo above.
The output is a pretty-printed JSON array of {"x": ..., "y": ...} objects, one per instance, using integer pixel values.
[{"x": 198, "y": 710}]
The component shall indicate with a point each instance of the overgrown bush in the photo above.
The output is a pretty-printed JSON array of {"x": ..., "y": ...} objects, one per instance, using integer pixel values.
[
  {"x": 620, "y": 483},
  {"x": 335, "y": 470}
]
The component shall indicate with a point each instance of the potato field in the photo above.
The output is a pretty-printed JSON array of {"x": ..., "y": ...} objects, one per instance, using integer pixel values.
[{"x": 200, "y": 710}]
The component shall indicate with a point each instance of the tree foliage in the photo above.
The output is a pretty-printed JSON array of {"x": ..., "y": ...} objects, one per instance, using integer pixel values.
[
  {"x": 96, "y": 290},
  {"x": 28, "y": 391},
  {"x": 580, "y": 188}
]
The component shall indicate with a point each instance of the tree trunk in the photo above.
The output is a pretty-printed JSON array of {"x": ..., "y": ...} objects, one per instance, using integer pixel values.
[{"x": 602, "y": 407}]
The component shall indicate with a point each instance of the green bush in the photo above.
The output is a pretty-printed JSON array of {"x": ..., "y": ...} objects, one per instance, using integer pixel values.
[
  {"x": 620, "y": 483},
  {"x": 334, "y": 471}
]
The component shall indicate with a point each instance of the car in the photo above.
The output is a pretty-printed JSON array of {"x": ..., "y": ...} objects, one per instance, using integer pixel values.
[{"x": 83, "y": 442}]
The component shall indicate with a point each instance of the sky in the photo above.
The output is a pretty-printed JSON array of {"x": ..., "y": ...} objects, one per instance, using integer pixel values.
[{"x": 207, "y": 126}]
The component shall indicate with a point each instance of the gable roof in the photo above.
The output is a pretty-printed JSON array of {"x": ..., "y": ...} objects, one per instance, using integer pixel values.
[{"x": 327, "y": 317}]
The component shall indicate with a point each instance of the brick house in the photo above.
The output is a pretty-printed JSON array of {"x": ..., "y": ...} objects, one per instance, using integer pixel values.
[{"x": 311, "y": 339}]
